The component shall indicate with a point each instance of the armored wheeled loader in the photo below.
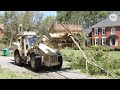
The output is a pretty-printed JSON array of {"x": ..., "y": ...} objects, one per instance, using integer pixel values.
[{"x": 31, "y": 49}]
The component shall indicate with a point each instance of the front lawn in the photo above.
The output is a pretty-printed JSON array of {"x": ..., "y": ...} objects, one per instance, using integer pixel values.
[
  {"x": 77, "y": 53},
  {"x": 109, "y": 60},
  {"x": 7, "y": 74}
]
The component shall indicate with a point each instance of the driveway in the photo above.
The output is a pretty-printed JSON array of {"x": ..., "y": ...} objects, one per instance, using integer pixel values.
[{"x": 64, "y": 73}]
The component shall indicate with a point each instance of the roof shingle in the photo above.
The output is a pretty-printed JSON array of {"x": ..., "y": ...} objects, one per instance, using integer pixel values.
[
  {"x": 107, "y": 23},
  {"x": 71, "y": 27}
]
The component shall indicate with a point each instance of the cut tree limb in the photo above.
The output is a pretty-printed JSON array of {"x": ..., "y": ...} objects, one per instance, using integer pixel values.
[{"x": 88, "y": 61}]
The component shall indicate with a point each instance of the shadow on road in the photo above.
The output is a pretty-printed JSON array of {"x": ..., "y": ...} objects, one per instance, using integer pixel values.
[{"x": 42, "y": 70}]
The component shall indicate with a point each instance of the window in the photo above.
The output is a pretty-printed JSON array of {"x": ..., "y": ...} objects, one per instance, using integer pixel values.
[
  {"x": 103, "y": 40},
  {"x": 96, "y": 40},
  {"x": 103, "y": 31},
  {"x": 32, "y": 40},
  {"x": 96, "y": 31},
  {"x": 113, "y": 31}
]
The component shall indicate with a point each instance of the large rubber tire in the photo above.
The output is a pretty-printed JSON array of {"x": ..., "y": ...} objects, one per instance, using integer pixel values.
[
  {"x": 18, "y": 60},
  {"x": 60, "y": 60},
  {"x": 35, "y": 62}
]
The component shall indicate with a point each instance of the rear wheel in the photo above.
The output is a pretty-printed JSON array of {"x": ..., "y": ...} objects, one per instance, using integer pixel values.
[
  {"x": 35, "y": 62},
  {"x": 18, "y": 60}
]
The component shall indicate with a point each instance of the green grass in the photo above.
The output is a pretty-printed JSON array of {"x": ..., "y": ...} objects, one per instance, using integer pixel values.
[
  {"x": 76, "y": 53},
  {"x": 7, "y": 74},
  {"x": 114, "y": 60},
  {"x": 114, "y": 54}
]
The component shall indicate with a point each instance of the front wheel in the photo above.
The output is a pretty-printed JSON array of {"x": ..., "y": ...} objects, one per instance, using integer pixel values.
[
  {"x": 18, "y": 60},
  {"x": 60, "y": 60},
  {"x": 35, "y": 63}
]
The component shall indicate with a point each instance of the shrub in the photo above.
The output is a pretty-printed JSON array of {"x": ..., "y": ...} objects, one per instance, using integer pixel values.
[
  {"x": 106, "y": 48},
  {"x": 117, "y": 48},
  {"x": 117, "y": 73},
  {"x": 79, "y": 64},
  {"x": 114, "y": 63},
  {"x": 95, "y": 47},
  {"x": 70, "y": 58},
  {"x": 101, "y": 58},
  {"x": 93, "y": 70},
  {"x": 67, "y": 58},
  {"x": 76, "y": 48},
  {"x": 99, "y": 47}
]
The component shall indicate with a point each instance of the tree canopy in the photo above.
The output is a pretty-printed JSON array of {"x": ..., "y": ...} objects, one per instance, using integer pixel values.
[
  {"x": 87, "y": 18},
  {"x": 34, "y": 21},
  {"x": 30, "y": 20}
]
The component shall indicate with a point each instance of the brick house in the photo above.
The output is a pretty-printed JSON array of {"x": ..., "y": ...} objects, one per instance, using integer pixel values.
[
  {"x": 59, "y": 34},
  {"x": 106, "y": 32}
]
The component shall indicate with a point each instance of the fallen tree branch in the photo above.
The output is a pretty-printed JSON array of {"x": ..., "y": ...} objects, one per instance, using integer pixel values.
[{"x": 88, "y": 61}]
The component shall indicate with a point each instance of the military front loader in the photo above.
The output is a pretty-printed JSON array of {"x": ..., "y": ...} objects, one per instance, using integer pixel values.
[{"x": 32, "y": 50}]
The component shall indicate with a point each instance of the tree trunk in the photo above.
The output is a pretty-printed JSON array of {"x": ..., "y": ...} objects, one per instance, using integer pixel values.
[{"x": 11, "y": 40}]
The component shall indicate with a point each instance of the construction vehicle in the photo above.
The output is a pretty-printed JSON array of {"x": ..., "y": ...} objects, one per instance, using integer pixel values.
[{"x": 32, "y": 50}]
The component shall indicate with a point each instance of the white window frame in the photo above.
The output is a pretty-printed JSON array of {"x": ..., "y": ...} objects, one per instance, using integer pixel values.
[
  {"x": 96, "y": 30},
  {"x": 102, "y": 40},
  {"x": 102, "y": 31},
  {"x": 95, "y": 41},
  {"x": 112, "y": 32}
]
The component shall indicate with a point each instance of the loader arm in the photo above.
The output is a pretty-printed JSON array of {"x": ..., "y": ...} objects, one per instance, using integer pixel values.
[
  {"x": 40, "y": 43},
  {"x": 40, "y": 39}
]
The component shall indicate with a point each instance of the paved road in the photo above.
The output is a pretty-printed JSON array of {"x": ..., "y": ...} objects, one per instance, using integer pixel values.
[{"x": 64, "y": 73}]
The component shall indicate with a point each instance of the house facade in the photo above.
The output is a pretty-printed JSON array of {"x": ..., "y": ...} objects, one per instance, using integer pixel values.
[{"x": 106, "y": 32}]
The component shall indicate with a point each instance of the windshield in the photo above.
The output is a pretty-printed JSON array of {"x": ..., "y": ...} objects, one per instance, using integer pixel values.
[{"x": 32, "y": 39}]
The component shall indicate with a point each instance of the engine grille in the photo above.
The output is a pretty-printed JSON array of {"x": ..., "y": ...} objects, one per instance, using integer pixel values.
[{"x": 53, "y": 59}]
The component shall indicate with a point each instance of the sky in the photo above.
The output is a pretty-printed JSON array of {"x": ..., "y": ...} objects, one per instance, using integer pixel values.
[
  {"x": 49, "y": 13},
  {"x": 45, "y": 13}
]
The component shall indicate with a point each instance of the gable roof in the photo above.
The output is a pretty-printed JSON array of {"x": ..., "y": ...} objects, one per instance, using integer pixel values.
[
  {"x": 107, "y": 23},
  {"x": 60, "y": 29}
]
